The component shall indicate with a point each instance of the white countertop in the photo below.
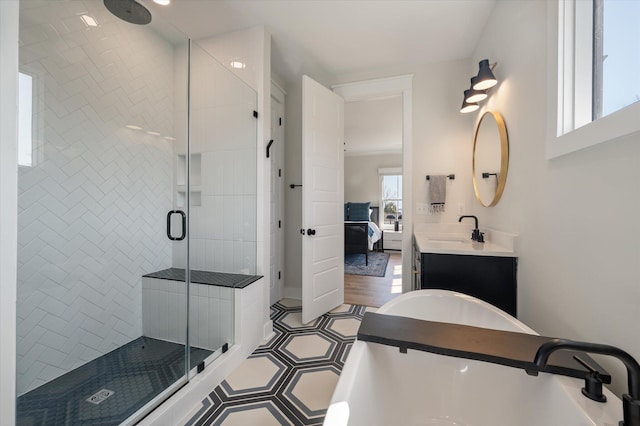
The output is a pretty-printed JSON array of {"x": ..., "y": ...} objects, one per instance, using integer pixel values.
[{"x": 455, "y": 239}]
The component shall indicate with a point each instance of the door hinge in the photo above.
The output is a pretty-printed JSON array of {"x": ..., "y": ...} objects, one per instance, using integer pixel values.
[
  {"x": 279, "y": 224},
  {"x": 279, "y": 275},
  {"x": 279, "y": 172},
  {"x": 255, "y": 114},
  {"x": 280, "y": 121}
]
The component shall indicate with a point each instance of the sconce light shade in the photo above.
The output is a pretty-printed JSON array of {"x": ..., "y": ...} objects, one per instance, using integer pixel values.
[
  {"x": 485, "y": 78},
  {"x": 468, "y": 107},
  {"x": 473, "y": 95}
]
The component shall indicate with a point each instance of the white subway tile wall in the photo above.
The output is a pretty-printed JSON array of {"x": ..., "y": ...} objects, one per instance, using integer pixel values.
[
  {"x": 223, "y": 138},
  {"x": 210, "y": 321}
]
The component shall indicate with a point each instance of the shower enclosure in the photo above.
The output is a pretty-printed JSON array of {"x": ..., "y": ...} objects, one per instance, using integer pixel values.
[{"x": 137, "y": 212}]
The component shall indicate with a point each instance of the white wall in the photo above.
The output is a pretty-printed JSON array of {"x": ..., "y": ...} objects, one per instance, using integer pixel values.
[
  {"x": 443, "y": 143},
  {"x": 361, "y": 178},
  {"x": 576, "y": 215},
  {"x": 9, "y": 205},
  {"x": 91, "y": 208},
  {"x": 373, "y": 126}
]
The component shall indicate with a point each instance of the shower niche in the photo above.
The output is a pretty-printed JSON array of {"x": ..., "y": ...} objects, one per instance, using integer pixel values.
[{"x": 195, "y": 180}]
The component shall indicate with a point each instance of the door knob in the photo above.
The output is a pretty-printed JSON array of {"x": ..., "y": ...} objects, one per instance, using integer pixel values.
[{"x": 311, "y": 231}]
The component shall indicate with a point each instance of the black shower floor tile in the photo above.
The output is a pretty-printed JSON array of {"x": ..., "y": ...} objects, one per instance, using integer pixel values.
[{"x": 136, "y": 373}]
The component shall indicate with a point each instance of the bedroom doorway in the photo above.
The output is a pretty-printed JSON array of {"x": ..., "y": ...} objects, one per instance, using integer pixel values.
[{"x": 376, "y": 145}]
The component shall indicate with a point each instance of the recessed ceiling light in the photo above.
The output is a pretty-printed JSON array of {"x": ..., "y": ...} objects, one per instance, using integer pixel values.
[
  {"x": 90, "y": 21},
  {"x": 153, "y": 133},
  {"x": 170, "y": 138},
  {"x": 162, "y": 2},
  {"x": 238, "y": 64},
  {"x": 132, "y": 127}
]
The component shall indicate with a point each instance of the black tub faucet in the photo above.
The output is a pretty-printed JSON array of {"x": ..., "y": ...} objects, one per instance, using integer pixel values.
[
  {"x": 630, "y": 401},
  {"x": 476, "y": 235}
]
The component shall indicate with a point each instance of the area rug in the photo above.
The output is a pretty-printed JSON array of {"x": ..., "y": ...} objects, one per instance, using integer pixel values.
[{"x": 354, "y": 264}]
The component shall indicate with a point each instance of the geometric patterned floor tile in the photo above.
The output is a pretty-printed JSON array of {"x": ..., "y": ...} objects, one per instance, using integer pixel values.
[
  {"x": 258, "y": 373},
  {"x": 308, "y": 347},
  {"x": 343, "y": 327},
  {"x": 258, "y": 413},
  {"x": 289, "y": 303},
  {"x": 345, "y": 353},
  {"x": 292, "y": 321},
  {"x": 290, "y": 379},
  {"x": 343, "y": 309},
  {"x": 310, "y": 390}
]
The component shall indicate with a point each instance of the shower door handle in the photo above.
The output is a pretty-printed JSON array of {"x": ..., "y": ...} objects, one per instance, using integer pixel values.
[{"x": 184, "y": 225}]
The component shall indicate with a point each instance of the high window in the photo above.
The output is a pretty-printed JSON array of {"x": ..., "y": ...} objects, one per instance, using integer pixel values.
[
  {"x": 616, "y": 55},
  {"x": 25, "y": 114},
  {"x": 597, "y": 73}
]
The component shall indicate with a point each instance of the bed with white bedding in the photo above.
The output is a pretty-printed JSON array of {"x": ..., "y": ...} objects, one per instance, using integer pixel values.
[{"x": 362, "y": 234}]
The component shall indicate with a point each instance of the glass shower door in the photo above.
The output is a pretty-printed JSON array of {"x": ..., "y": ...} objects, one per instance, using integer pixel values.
[
  {"x": 222, "y": 201},
  {"x": 101, "y": 313}
]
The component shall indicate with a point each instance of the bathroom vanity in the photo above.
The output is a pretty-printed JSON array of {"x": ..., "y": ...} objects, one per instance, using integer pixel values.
[{"x": 449, "y": 260}]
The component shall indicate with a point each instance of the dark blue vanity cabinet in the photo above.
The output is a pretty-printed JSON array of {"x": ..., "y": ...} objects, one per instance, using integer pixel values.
[{"x": 489, "y": 278}]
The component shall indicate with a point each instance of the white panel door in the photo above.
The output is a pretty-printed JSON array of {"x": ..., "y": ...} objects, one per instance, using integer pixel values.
[{"x": 322, "y": 200}]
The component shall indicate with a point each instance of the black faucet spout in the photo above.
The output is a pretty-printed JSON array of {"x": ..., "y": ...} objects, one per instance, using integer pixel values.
[
  {"x": 469, "y": 216},
  {"x": 476, "y": 235},
  {"x": 630, "y": 402}
]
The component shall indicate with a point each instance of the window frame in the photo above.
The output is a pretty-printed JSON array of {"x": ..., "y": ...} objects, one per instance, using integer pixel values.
[
  {"x": 382, "y": 172},
  {"x": 572, "y": 128},
  {"x": 25, "y": 119},
  {"x": 37, "y": 117}
]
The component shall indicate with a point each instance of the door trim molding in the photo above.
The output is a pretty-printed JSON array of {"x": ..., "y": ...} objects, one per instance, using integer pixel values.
[{"x": 381, "y": 87}]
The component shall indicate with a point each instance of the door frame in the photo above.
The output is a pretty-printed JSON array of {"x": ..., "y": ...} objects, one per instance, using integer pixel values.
[
  {"x": 278, "y": 95},
  {"x": 399, "y": 85}
]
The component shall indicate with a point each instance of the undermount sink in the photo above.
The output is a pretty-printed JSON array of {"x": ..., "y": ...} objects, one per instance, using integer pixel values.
[{"x": 448, "y": 239}]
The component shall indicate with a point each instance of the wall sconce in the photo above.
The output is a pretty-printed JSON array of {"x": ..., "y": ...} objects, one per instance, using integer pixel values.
[
  {"x": 485, "y": 78},
  {"x": 479, "y": 87},
  {"x": 468, "y": 106}
]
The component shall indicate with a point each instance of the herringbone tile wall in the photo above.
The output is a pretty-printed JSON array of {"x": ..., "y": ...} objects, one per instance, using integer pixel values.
[
  {"x": 223, "y": 231},
  {"x": 92, "y": 207}
]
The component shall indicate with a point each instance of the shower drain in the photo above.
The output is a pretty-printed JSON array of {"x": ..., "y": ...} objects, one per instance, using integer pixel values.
[{"x": 100, "y": 396}]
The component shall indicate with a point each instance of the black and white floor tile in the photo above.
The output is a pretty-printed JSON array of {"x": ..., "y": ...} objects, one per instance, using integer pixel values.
[{"x": 290, "y": 379}]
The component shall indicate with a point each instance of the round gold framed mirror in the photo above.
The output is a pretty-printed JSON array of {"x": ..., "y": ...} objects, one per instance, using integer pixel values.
[{"x": 490, "y": 158}]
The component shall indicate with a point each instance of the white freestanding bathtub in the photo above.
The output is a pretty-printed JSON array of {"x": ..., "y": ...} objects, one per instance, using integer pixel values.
[{"x": 381, "y": 386}]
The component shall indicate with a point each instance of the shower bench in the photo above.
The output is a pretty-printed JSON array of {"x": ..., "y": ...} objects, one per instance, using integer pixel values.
[{"x": 211, "y": 306}]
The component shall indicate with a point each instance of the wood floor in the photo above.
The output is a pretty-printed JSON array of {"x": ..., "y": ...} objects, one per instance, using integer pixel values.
[{"x": 375, "y": 291}]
